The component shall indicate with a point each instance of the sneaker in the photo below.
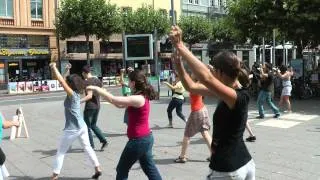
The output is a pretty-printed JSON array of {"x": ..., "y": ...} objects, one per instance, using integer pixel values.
[
  {"x": 276, "y": 116},
  {"x": 104, "y": 145},
  {"x": 96, "y": 175},
  {"x": 251, "y": 139},
  {"x": 260, "y": 117}
]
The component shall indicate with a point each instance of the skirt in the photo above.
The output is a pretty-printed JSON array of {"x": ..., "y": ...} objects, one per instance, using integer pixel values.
[
  {"x": 198, "y": 121},
  {"x": 286, "y": 91}
]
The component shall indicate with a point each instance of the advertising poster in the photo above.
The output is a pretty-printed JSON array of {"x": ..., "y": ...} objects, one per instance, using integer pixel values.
[
  {"x": 52, "y": 85},
  {"x": 29, "y": 87},
  {"x": 12, "y": 87},
  {"x": 36, "y": 86},
  {"x": 21, "y": 87},
  {"x": 44, "y": 86},
  {"x": 297, "y": 66},
  {"x": 59, "y": 86}
]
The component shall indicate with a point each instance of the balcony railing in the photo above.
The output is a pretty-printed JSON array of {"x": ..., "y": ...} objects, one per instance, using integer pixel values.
[
  {"x": 7, "y": 22},
  {"x": 37, "y": 24}
]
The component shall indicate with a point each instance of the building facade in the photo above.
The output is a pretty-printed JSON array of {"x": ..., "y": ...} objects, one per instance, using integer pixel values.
[
  {"x": 27, "y": 40},
  {"x": 106, "y": 58}
]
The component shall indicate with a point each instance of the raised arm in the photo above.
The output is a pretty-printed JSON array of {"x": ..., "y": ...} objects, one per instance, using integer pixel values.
[
  {"x": 202, "y": 73},
  {"x": 119, "y": 101},
  {"x": 188, "y": 83},
  {"x": 87, "y": 97},
  {"x": 59, "y": 77}
]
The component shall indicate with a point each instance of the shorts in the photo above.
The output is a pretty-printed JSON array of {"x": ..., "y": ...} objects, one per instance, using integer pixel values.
[
  {"x": 286, "y": 91},
  {"x": 198, "y": 121}
]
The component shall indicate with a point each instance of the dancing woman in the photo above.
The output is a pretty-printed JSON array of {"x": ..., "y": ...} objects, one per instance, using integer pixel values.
[
  {"x": 176, "y": 101},
  {"x": 285, "y": 74},
  {"x": 139, "y": 146},
  {"x": 198, "y": 120},
  {"x": 75, "y": 127},
  {"x": 230, "y": 156}
]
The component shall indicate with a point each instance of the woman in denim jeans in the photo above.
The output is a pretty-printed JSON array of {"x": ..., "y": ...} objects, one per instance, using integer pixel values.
[{"x": 139, "y": 146}]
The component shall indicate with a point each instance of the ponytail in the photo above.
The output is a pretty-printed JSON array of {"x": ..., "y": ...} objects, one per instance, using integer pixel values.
[
  {"x": 149, "y": 92},
  {"x": 243, "y": 78}
]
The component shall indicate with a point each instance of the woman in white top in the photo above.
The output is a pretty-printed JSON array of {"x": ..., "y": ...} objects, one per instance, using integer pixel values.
[
  {"x": 176, "y": 101},
  {"x": 285, "y": 74}
]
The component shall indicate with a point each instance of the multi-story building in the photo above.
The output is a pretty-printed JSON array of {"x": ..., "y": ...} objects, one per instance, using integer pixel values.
[
  {"x": 107, "y": 58},
  {"x": 27, "y": 40}
]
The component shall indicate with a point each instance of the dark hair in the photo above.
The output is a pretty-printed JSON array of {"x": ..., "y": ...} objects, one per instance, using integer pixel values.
[
  {"x": 283, "y": 69},
  {"x": 228, "y": 63},
  {"x": 75, "y": 82},
  {"x": 268, "y": 65},
  {"x": 142, "y": 85},
  {"x": 86, "y": 69}
]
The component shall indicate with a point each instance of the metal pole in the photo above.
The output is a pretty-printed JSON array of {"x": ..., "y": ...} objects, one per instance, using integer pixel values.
[
  {"x": 155, "y": 51},
  {"x": 263, "y": 51},
  {"x": 173, "y": 15},
  {"x": 123, "y": 51},
  {"x": 58, "y": 41},
  {"x": 274, "y": 48},
  {"x": 283, "y": 53}
]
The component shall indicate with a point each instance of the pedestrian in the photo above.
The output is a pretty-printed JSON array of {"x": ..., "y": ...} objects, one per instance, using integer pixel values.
[
  {"x": 285, "y": 74},
  {"x": 267, "y": 78},
  {"x": 5, "y": 124},
  {"x": 92, "y": 108},
  {"x": 139, "y": 146},
  {"x": 230, "y": 157},
  {"x": 125, "y": 89},
  {"x": 75, "y": 127},
  {"x": 198, "y": 120},
  {"x": 176, "y": 101}
]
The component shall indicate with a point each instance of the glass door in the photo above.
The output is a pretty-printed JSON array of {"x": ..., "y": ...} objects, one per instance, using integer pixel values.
[{"x": 14, "y": 71}]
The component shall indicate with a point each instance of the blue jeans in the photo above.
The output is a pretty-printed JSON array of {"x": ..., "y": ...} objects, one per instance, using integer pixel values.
[
  {"x": 266, "y": 96},
  {"x": 138, "y": 149},
  {"x": 175, "y": 103},
  {"x": 91, "y": 117}
]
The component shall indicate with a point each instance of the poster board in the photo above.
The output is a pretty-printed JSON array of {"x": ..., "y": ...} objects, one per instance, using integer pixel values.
[
  {"x": 29, "y": 87},
  {"x": 21, "y": 87},
  {"x": 44, "y": 86},
  {"x": 52, "y": 85},
  {"x": 36, "y": 86},
  {"x": 12, "y": 87}
]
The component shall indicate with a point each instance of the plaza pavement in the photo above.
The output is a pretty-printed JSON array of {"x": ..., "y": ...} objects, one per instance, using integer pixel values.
[{"x": 286, "y": 148}]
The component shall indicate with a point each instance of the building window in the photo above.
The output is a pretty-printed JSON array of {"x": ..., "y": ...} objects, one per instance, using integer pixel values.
[
  {"x": 191, "y": 1},
  {"x": 196, "y": 1},
  {"x": 36, "y": 9},
  {"x": 79, "y": 47},
  {"x": 211, "y": 3},
  {"x": 23, "y": 41},
  {"x": 110, "y": 47},
  {"x": 6, "y": 8}
]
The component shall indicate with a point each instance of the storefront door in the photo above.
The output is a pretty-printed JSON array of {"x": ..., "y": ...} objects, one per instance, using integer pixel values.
[{"x": 14, "y": 70}]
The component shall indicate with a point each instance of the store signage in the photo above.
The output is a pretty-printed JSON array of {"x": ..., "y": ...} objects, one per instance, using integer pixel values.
[{"x": 23, "y": 52}]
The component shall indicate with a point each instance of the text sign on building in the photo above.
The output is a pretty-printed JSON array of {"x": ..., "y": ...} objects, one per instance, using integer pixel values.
[{"x": 138, "y": 47}]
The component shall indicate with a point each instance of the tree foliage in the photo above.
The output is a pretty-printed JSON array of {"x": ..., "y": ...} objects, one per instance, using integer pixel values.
[
  {"x": 223, "y": 30},
  {"x": 195, "y": 29},
  {"x": 146, "y": 20},
  {"x": 294, "y": 20},
  {"x": 89, "y": 17}
]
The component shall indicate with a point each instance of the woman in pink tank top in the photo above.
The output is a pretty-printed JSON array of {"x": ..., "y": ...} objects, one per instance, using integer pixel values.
[{"x": 139, "y": 146}]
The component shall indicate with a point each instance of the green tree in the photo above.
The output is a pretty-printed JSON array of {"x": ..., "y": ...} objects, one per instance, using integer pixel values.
[
  {"x": 195, "y": 29},
  {"x": 87, "y": 17},
  {"x": 145, "y": 20},
  {"x": 223, "y": 30}
]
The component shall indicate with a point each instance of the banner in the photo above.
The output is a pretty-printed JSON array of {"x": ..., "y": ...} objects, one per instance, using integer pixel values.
[
  {"x": 29, "y": 87},
  {"x": 12, "y": 87},
  {"x": 44, "y": 86},
  {"x": 52, "y": 85},
  {"x": 59, "y": 86}
]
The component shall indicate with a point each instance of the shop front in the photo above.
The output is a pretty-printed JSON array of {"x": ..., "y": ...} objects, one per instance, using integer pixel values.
[{"x": 18, "y": 65}]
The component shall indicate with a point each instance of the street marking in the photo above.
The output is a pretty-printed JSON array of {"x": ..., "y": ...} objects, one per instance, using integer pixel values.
[
  {"x": 279, "y": 123},
  {"x": 26, "y": 99},
  {"x": 298, "y": 117}
]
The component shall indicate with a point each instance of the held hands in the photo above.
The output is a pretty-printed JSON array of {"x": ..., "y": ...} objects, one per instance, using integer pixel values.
[{"x": 175, "y": 35}]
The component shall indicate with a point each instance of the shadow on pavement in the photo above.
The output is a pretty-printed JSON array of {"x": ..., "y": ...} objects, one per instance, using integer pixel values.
[
  {"x": 171, "y": 161},
  {"x": 157, "y": 127},
  {"x": 45, "y": 178},
  {"x": 53, "y": 152},
  {"x": 114, "y": 135}
]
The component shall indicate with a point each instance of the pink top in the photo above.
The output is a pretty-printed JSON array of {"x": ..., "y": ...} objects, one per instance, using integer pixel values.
[{"x": 138, "y": 121}]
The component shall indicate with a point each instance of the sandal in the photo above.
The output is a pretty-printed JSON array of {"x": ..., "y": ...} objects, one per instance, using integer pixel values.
[{"x": 181, "y": 160}]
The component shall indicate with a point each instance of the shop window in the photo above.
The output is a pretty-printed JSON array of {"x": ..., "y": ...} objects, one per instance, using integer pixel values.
[
  {"x": 79, "y": 47},
  {"x": 110, "y": 47},
  {"x": 6, "y": 8},
  {"x": 36, "y": 9},
  {"x": 2, "y": 73}
]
